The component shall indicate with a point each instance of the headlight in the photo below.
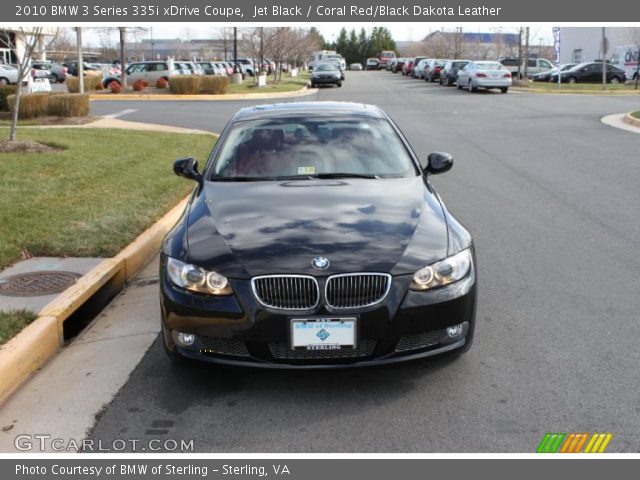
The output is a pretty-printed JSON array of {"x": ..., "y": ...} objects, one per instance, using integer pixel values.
[
  {"x": 444, "y": 272},
  {"x": 197, "y": 279}
]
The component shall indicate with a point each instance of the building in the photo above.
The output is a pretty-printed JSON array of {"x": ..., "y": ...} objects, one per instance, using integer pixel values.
[
  {"x": 12, "y": 42},
  {"x": 160, "y": 48},
  {"x": 584, "y": 44},
  {"x": 475, "y": 46}
]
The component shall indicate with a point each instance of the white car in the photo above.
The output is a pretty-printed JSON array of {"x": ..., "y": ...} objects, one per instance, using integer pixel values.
[
  {"x": 8, "y": 74},
  {"x": 484, "y": 74}
]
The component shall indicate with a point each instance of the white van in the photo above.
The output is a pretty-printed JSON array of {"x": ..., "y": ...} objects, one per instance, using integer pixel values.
[{"x": 324, "y": 55}]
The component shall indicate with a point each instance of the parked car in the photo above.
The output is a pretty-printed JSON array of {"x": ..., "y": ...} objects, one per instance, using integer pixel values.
[
  {"x": 432, "y": 69},
  {"x": 484, "y": 74},
  {"x": 210, "y": 68},
  {"x": 399, "y": 63},
  {"x": 355, "y": 67},
  {"x": 371, "y": 64},
  {"x": 385, "y": 57},
  {"x": 337, "y": 63},
  {"x": 247, "y": 66},
  {"x": 8, "y": 75},
  {"x": 417, "y": 65},
  {"x": 326, "y": 74},
  {"x": 87, "y": 69},
  {"x": 533, "y": 65},
  {"x": 407, "y": 67},
  {"x": 57, "y": 72},
  {"x": 449, "y": 72},
  {"x": 548, "y": 74},
  {"x": 150, "y": 71},
  {"x": 590, "y": 72},
  {"x": 261, "y": 273},
  {"x": 40, "y": 72}
]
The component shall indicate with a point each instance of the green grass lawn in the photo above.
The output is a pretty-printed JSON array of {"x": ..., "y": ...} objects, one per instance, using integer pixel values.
[
  {"x": 548, "y": 86},
  {"x": 11, "y": 323},
  {"x": 636, "y": 114},
  {"x": 286, "y": 84},
  {"x": 94, "y": 197}
]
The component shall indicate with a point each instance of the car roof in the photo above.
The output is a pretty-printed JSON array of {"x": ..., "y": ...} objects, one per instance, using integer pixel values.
[{"x": 309, "y": 109}]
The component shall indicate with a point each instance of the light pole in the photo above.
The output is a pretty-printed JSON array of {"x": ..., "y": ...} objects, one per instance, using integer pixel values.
[{"x": 80, "y": 60}]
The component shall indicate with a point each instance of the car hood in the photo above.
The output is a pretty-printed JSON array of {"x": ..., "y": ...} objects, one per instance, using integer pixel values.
[{"x": 258, "y": 228}]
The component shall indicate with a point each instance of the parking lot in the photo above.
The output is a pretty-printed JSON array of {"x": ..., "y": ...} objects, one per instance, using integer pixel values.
[{"x": 551, "y": 196}]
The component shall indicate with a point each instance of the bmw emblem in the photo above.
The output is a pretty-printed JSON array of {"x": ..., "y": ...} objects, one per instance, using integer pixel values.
[{"x": 321, "y": 263}]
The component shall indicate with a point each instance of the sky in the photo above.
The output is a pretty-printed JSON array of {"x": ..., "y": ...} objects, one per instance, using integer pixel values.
[{"x": 400, "y": 31}]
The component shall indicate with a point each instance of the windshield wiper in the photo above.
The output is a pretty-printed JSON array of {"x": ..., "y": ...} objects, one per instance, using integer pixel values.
[
  {"x": 240, "y": 179},
  {"x": 344, "y": 175}
]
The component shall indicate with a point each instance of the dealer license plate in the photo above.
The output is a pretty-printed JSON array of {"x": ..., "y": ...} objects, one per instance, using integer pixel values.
[{"x": 323, "y": 333}]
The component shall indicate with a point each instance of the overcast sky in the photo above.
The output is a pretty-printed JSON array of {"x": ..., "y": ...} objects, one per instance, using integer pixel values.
[{"x": 400, "y": 31}]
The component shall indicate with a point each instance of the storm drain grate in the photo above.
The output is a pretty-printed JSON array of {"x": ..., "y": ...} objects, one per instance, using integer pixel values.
[{"x": 36, "y": 284}]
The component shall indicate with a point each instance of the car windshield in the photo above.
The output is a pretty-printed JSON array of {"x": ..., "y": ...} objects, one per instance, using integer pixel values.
[
  {"x": 489, "y": 66},
  {"x": 326, "y": 66},
  {"x": 308, "y": 147}
]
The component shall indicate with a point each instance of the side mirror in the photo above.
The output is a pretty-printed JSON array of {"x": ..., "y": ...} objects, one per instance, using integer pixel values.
[
  {"x": 187, "y": 168},
  {"x": 438, "y": 162}
]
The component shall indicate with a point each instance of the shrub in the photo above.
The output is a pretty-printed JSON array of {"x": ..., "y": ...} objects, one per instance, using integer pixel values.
[
  {"x": 162, "y": 83},
  {"x": 100, "y": 86},
  {"x": 185, "y": 84},
  {"x": 32, "y": 105},
  {"x": 215, "y": 85},
  {"x": 115, "y": 87},
  {"x": 139, "y": 85},
  {"x": 145, "y": 83},
  {"x": 5, "y": 91},
  {"x": 90, "y": 83},
  {"x": 69, "y": 105}
]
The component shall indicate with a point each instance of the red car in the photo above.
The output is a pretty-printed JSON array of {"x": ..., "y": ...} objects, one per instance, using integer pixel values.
[
  {"x": 407, "y": 67},
  {"x": 432, "y": 70},
  {"x": 385, "y": 57}
]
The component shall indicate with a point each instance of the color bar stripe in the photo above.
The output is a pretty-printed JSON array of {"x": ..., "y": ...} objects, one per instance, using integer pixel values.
[
  {"x": 581, "y": 442},
  {"x": 606, "y": 441},
  {"x": 555, "y": 442},
  {"x": 594, "y": 437},
  {"x": 567, "y": 443},
  {"x": 543, "y": 443}
]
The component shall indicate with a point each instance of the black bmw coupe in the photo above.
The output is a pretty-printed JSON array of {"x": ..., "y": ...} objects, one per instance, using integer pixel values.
[{"x": 314, "y": 239}]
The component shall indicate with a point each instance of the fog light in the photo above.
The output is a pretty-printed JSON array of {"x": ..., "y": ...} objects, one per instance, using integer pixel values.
[
  {"x": 186, "y": 339},
  {"x": 455, "y": 332}
]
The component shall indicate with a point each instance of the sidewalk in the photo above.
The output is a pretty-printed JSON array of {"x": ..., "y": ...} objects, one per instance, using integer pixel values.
[{"x": 65, "y": 397}]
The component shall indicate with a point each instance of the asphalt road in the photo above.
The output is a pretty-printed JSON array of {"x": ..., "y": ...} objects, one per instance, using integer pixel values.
[{"x": 552, "y": 198}]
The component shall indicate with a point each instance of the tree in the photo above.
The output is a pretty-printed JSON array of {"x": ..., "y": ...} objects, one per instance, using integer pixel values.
[
  {"x": 123, "y": 32},
  {"x": 27, "y": 38}
]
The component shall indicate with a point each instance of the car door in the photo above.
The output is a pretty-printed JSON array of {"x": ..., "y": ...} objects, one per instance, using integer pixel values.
[{"x": 593, "y": 73}]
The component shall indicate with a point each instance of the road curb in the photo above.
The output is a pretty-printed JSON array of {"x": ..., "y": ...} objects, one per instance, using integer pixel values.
[
  {"x": 631, "y": 120},
  {"x": 28, "y": 351},
  {"x": 621, "y": 93},
  {"x": 305, "y": 91}
]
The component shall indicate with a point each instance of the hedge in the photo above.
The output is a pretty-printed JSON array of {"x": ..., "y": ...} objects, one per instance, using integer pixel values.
[
  {"x": 90, "y": 83},
  {"x": 5, "y": 91},
  {"x": 33, "y": 105},
  {"x": 194, "y": 84}
]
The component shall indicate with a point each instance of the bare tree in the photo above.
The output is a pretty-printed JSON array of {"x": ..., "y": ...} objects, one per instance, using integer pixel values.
[
  {"x": 27, "y": 38},
  {"x": 123, "y": 32}
]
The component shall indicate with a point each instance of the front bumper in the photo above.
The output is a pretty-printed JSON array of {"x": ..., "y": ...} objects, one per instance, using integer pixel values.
[
  {"x": 325, "y": 81},
  {"x": 237, "y": 330},
  {"x": 492, "y": 82}
]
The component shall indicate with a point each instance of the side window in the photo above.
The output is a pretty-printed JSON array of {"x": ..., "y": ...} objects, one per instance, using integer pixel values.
[
  {"x": 545, "y": 64},
  {"x": 531, "y": 63}
]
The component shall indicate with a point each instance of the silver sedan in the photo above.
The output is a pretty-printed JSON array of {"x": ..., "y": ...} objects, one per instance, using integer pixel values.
[{"x": 484, "y": 74}]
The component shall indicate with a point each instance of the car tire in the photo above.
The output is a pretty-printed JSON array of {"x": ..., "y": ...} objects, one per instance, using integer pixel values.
[
  {"x": 4, "y": 81},
  {"x": 504, "y": 89},
  {"x": 339, "y": 84},
  {"x": 614, "y": 81},
  {"x": 572, "y": 80},
  {"x": 470, "y": 87},
  {"x": 458, "y": 86}
]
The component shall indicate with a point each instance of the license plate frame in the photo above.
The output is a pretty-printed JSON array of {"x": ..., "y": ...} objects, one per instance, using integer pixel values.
[{"x": 346, "y": 338}]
